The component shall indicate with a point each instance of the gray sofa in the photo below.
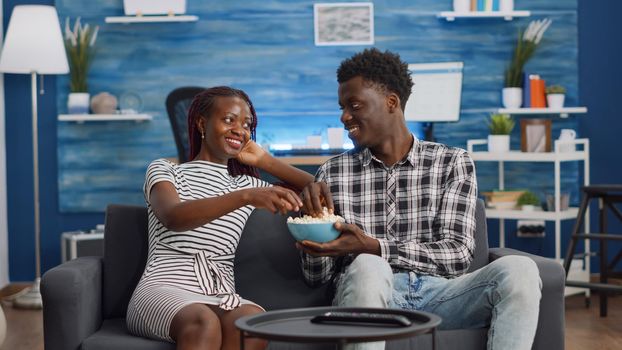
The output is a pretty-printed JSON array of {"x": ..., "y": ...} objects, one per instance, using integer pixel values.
[{"x": 84, "y": 300}]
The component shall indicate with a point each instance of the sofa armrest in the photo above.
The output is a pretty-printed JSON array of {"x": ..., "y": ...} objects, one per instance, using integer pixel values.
[
  {"x": 550, "y": 332},
  {"x": 72, "y": 302}
]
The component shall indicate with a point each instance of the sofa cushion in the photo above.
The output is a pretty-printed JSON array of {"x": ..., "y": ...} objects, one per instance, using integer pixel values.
[
  {"x": 113, "y": 334},
  {"x": 267, "y": 266}
]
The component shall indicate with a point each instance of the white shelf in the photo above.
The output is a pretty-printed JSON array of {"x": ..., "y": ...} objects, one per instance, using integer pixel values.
[
  {"x": 450, "y": 16},
  {"x": 563, "y": 112},
  {"x": 81, "y": 118},
  {"x": 571, "y": 213},
  {"x": 151, "y": 19},
  {"x": 518, "y": 156}
]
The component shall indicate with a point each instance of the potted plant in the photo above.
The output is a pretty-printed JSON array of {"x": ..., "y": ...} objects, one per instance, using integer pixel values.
[
  {"x": 555, "y": 95},
  {"x": 526, "y": 45},
  {"x": 528, "y": 201},
  {"x": 80, "y": 46},
  {"x": 500, "y": 126}
]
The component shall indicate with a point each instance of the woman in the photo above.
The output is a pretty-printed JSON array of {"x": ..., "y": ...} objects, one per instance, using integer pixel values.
[{"x": 197, "y": 211}]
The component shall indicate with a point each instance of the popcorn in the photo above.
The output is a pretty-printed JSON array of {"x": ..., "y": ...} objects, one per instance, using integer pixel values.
[{"x": 326, "y": 217}]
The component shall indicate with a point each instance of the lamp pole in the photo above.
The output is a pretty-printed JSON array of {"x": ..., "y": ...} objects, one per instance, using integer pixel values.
[{"x": 32, "y": 299}]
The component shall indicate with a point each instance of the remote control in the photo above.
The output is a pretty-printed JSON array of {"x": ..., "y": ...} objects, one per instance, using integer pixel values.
[{"x": 361, "y": 317}]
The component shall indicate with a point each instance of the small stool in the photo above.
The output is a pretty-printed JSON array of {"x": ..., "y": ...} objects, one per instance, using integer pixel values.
[{"x": 608, "y": 196}]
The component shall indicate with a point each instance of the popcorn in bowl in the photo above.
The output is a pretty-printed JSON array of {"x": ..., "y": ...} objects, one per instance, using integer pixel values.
[
  {"x": 318, "y": 229},
  {"x": 308, "y": 219}
]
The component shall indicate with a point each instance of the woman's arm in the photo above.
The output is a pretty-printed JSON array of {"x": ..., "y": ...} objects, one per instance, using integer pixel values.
[
  {"x": 182, "y": 216},
  {"x": 252, "y": 154}
]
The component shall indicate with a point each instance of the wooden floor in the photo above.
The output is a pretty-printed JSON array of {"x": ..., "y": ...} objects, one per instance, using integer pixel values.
[{"x": 585, "y": 329}]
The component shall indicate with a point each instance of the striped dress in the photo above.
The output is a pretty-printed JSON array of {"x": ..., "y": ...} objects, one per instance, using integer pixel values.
[{"x": 194, "y": 266}]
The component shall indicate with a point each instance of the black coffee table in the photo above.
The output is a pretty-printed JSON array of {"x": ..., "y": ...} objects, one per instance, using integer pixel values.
[{"x": 294, "y": 325}]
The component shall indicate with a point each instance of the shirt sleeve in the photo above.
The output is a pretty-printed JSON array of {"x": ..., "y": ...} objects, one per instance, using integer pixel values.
[
  {"x": 317, "y": 269},
  {"x": 451, "y": 254},
  {"x": 158, "y": 170}
]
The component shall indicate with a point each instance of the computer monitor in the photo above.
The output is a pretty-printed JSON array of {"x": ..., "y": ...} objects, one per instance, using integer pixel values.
[{"x": 436, "y": 94}]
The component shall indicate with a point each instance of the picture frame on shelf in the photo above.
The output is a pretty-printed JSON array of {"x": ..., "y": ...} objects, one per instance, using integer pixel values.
[
  {"x": 348, "y": 23},
  {"x": 535, "y": 135}
]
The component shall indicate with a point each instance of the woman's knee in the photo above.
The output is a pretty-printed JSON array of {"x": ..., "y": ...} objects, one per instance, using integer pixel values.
[
  {"x": 231, "y": 335},
  {"x": 196, "y": 323}
]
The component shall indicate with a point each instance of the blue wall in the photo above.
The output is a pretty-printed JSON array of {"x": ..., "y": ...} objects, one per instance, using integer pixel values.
[
  {"x": 600, "y": 54},
  {"x": 265, "y": 48}
]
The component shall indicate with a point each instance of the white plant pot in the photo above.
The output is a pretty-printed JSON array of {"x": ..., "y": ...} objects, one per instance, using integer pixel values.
[
  {"x": 506, "y": 5},
  {"x": 78, "y": 103},
  {"x": 498, "y": 143},
  {"x": 555, "y": 100},
  {"x": 512, "y": 97},
  {"x": 528, "y": 207},
  {"x": 462, "y": 6},
  {"x": 335, "y": 137}
]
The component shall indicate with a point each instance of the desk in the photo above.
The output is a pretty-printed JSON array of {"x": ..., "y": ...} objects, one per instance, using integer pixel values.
[{"x": 294, "y": 325}]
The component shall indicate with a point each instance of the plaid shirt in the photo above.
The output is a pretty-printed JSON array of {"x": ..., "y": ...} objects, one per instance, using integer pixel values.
[{"x": 421, "y": 210}]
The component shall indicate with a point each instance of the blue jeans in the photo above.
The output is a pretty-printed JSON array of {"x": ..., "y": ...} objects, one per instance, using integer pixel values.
[{"x": 503, "y": 295}]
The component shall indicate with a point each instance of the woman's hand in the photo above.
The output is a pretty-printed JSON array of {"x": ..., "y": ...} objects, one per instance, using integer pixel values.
[
  {"x": 275, "y": 199},
  {"x": 251, "y": 154}
]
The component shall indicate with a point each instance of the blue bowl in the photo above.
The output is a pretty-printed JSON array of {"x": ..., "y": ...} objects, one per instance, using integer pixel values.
[{"x": 317, "y": 232}]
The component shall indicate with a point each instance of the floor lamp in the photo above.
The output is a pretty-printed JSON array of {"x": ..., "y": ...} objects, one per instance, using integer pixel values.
[{"x": 34, "y": 45}]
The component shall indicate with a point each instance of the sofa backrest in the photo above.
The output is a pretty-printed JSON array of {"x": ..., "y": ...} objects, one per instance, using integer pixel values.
[
  {"x": 480, "y": 256},
  {"x": 125, "y": 256},
  {"x": 267, "y": 264}
]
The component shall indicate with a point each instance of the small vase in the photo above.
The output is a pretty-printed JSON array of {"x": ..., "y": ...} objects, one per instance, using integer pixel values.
[
  {"x": 506, "y": 5},
  {"x": 555, "y": 100},
  {"x": 512, "y": 97},
  {"x": 78, "y": 103},
  {"x": 498, "y": 143}
]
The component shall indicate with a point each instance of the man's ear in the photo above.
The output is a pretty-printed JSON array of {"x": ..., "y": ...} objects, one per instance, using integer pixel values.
[{"x": 393, "y": 102}]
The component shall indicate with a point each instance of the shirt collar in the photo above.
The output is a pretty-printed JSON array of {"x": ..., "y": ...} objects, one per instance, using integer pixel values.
[{"x": 366, "y": 156}]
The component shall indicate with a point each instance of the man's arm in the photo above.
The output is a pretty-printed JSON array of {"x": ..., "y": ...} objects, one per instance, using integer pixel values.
[{"x": 452, "y": 253}]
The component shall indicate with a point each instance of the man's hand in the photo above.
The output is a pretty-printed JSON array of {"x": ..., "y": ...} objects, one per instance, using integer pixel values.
[
  {"x": 315, "y": 196},
  {"x": 352, "y": 240}
]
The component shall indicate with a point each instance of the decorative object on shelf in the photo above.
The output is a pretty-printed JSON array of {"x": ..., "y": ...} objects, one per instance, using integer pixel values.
[
  {"x": 500, "y": 126},
  {"x": 335, "y": 137},
  {"x": 130, "y": 103},
  {"x": 535, "y": 135},
  {"x": 462, "y": 6},
  {"x": 555, "y": 95},
  {"x": 2, "y": 327},
  {"x": 564, "y": 201},
  {"x": 528, "y": 201},
  {"x": 34, "y": 45},
  {"x": 502, "y": 199},
  {"x": 104, "y": 103},
  {"x": 526, "y": 45},
  {"x": 567, "y": 135},
  {"x": 343, "y": 23},
  {"x": 80, "y": 47},
  {"x": 506, "y": 5},
  {"x": 154, "y": 7}
]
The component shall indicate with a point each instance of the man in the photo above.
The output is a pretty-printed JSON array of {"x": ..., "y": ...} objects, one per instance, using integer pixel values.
[{"x": 409, "y": 209}]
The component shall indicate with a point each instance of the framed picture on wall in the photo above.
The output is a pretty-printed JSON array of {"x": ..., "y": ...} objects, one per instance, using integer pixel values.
[
  {"x": 535, "y": 135},
  {"x": 349, "y": 23}
]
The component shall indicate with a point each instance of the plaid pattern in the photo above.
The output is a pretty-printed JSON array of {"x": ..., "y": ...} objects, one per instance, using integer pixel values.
[{"x": 421, "y": 210}]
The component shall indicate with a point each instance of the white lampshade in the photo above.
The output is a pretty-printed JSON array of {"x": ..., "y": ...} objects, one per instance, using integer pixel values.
[{"x": 34, "y": 42}]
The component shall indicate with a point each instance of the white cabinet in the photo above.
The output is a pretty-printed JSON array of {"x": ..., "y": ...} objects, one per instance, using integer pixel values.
[{"x": 580, "y": 267}]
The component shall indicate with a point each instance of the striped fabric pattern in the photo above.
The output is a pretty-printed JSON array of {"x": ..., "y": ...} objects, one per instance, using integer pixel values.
[
  {"x": 194, "y": 266},
  {"x": 421, "y": 210}
]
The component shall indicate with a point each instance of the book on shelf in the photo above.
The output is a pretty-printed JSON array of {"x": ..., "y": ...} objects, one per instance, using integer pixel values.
[
  {"x": 526, "y": 90},
  {"x": 538, "y": 93}
]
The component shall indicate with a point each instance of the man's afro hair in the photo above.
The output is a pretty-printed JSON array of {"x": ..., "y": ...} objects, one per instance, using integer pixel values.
[{"x": 384, "y": 69}]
